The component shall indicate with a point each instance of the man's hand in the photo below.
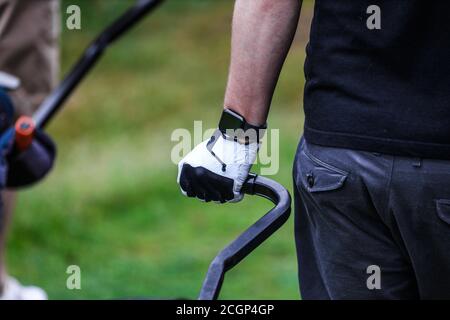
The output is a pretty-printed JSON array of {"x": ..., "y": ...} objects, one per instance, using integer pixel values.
[
  {"x": 216, "y": 169},
  {"x": 262, "y": 35}
]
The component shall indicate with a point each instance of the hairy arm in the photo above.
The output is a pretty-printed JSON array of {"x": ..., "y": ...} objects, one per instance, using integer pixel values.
[{"x": 263, "y": 31}]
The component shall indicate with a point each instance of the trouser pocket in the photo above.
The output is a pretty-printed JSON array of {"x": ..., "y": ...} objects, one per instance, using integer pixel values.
[
  {"x": 443, "y": 210},
  {"x": 315, "y": 175}
]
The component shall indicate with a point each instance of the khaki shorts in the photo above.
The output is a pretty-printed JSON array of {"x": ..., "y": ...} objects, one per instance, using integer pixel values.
[{"x": 29, "y": 48}]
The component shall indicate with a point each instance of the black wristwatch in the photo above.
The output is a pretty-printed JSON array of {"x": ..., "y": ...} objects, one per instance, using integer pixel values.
[{"x": 234, "y": 127}]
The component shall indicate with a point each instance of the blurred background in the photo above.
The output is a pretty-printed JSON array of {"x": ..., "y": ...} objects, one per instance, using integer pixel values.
[{"x": 112, "y": 205}]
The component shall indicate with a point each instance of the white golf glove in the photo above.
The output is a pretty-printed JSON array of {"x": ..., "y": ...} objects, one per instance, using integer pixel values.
[{"x": 216, "y": 169}]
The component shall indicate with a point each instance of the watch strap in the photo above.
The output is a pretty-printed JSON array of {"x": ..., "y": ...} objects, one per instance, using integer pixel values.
[{"x": 233, "y": 126}]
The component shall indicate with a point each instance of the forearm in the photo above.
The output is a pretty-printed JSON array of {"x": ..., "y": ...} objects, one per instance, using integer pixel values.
[{"x": 263, "y": 31}]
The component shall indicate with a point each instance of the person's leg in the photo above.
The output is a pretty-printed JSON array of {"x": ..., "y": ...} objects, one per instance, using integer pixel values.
[
  {"x": 420, "y": 204},
  {"x": 8, "y": 201},
  {"x": 29, "y": 46},
  {"x": 29, "y": 50},
  {"x": 341, "y": 202}
]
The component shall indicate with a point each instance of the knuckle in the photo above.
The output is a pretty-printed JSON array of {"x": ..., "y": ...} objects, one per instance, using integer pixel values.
[{"x": 200, "y": 173}]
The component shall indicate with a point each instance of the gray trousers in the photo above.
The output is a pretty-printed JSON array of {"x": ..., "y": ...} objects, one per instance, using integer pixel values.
[{"x": 371, "y": 226}]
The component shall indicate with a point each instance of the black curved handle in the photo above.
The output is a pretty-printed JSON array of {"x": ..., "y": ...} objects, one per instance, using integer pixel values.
[
  {"x": 91, "y": 55},
  {"x": 251, "y": 238}
]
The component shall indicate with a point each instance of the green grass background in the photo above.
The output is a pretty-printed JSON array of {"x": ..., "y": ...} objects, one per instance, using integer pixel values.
[{"x": 112, "y": 205}]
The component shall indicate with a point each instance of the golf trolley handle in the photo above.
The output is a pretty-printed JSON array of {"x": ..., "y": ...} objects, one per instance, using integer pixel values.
[
  {"x": 54, "y": 102},
  {"x": 251, "y": 238}
]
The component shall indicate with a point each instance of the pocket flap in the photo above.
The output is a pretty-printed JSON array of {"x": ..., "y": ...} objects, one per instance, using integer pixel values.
[
  {"x": 443, "y": 209},
  {"x": 319, "y": 176}
]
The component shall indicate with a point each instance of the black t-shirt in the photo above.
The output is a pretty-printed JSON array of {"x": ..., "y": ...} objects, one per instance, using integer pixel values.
[{"x": 385, "y": 90}]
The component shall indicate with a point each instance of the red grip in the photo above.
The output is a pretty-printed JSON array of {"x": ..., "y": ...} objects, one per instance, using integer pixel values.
[{"x": 24, "y": 128}]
